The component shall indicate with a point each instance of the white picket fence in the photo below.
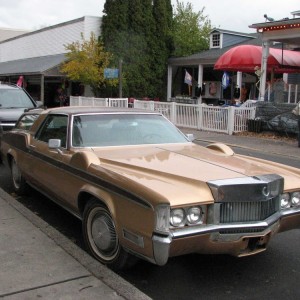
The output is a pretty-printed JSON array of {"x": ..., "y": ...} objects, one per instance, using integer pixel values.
[
  {"x": 91, "y": 101},
  {"x": 201, "y": 116},
  {"x": 228, "y": 119}
]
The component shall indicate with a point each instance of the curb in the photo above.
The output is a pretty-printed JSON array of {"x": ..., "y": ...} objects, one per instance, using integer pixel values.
[{"x": 101, "y": 272}]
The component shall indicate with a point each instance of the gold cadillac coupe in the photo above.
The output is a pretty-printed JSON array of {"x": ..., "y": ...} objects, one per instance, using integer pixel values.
[{"x": 143, "y": 189}]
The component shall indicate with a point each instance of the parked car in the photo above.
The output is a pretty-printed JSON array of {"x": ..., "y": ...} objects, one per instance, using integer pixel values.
[
  {"x": 143, "y": 189},
  {"x": 25, "y": 122},
  {"x": 13, "y": 101}
]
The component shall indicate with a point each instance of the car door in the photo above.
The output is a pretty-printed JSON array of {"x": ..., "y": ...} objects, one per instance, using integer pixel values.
[{"x": 49, "y": 168}]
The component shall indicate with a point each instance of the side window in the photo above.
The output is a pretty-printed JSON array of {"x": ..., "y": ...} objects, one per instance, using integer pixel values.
[{"x": 54, "y": 127}]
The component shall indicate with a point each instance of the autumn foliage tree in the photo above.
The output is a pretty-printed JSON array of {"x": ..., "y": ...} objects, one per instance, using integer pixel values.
[{"x": 86, "y": 61}]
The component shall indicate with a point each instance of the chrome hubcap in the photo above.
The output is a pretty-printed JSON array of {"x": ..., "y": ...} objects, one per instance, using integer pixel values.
[{"x": 103, "y": 233}]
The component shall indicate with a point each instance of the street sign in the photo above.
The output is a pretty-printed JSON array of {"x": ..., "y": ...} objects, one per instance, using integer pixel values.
[{"x": 111, "y": 73}]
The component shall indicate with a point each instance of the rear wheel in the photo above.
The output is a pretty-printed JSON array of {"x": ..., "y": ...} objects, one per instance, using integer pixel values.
[
  {"x": 101, "y": 237},
  {"x": 19, "y": 183}
]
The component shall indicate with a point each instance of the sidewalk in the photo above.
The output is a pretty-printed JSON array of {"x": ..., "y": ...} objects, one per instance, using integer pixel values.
[{"x": 39, "y": 262}]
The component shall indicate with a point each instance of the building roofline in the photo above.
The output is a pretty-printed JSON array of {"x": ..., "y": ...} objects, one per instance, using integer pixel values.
[
  {"x": 40, "y": 65},
  {"x": 232, "y": 32},
  {"x": 283, "y": 22},
  {"x": 49, "y": 27}
]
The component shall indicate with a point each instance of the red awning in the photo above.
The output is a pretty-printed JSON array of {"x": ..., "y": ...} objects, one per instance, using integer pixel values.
[
  {"x": 288, "y": 61},
  {"x": 246, "y": 58}
]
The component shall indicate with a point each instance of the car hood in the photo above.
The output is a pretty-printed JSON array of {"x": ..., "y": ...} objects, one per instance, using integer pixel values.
[
  {"x": 171, "y": 170},
  {"x": 10, "y": 114}
]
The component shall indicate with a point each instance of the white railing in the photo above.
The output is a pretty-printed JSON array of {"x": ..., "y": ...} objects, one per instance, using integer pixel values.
[
  {"x": 92, "y": 101},
  {"x": 118, "y": 102},
  {"x": 198, "y": 116},
  {"x": 292, "y": 90},
  {"x": 186, "y": 115},
  {"x": 240, "y": 117},
  {"x": 203, "y": 117},
  {"x": 212, "y": 118}
]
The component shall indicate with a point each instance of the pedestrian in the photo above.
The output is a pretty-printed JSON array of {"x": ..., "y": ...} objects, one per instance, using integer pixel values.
[
  {"x": 237, "y": 95},
  {"x": 296, "y": 111},
  {"x": 60, "y": 97}
]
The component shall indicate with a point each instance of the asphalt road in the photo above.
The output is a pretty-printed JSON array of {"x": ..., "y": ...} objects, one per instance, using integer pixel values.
[{"x": 273, "y": 274}]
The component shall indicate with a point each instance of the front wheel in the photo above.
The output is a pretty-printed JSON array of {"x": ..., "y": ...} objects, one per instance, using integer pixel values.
[
  {"x": 19, "y": 183},
  {"x": 101, "y": 238}
]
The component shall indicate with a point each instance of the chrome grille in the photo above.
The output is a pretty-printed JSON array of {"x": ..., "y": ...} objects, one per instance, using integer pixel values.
[{"x": 231, "y": 212}]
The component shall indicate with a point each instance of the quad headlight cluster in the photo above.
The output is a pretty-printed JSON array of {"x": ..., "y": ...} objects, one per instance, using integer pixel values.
[
  {"x": 180, "y": 217},
  {"x": 289, "y": 200}
]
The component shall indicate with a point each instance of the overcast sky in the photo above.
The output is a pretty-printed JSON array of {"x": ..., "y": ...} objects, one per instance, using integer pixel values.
[{"x": 234, "y": 15}]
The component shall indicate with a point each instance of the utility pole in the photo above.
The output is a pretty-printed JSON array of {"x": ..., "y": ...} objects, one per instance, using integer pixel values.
[{"x": 120, "y": 77}]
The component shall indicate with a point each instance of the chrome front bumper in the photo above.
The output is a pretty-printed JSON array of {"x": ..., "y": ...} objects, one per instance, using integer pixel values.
[{"x": 231, "y": 232}]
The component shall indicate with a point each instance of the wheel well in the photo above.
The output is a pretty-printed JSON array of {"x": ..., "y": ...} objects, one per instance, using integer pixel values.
[{"x": 84, "y": 198}]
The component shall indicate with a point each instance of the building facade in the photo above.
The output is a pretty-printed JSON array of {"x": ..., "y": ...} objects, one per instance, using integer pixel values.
[
  {"x": 201, "y": 67},
  {"x": 282, "y": 34},
  {"x": 37, "y": 56}
]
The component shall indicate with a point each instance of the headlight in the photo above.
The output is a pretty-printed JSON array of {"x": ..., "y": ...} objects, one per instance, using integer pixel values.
[
  {"x": 177, "y": 217},
  {"x": 295, "y": 199},
  {"x": 194, "y": 215},
  {"x": 285, "y": 200},
  {"x": 289, "y": 200}
]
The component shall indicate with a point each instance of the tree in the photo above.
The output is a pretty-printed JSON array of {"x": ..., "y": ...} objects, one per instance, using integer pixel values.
[
  {"x": 191, "y": 30},
  {"x": 86, "y": 62},
  {"x": 114, "y": 24},
  {"x": 131, "y": 31},
  {"x": 163, "y": 44}
]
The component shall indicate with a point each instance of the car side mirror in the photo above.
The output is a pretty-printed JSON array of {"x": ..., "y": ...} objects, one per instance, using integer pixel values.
[
  {"x": 190, "y": 136},
  {"x": 54, "y": 143}
]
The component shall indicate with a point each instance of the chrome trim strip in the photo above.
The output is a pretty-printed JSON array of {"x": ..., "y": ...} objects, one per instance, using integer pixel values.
[{"x": 290, "y": 212}]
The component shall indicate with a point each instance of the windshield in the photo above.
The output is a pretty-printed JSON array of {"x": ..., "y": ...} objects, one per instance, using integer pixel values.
[
  {"x": 100, "y": 130},
  {"x": 14, "y": 98}
]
